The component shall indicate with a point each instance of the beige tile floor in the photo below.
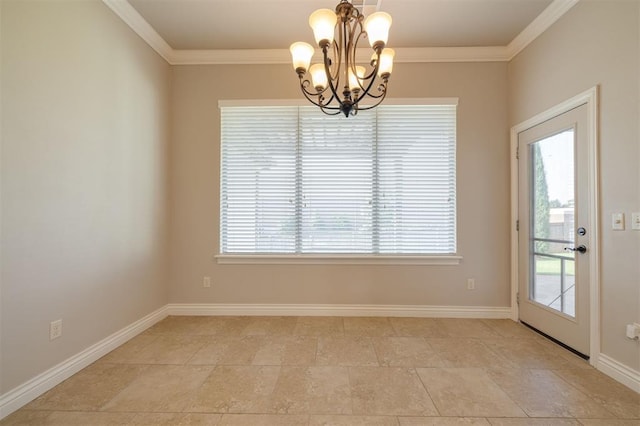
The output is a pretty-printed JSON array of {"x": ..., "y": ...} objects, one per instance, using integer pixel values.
[{"x": 335, "y": 371}]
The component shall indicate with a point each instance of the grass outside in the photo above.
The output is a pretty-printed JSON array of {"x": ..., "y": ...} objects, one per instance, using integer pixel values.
[{"x": 548, "y": 266}]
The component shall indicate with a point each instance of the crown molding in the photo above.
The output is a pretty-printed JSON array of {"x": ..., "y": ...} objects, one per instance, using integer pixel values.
[
  {"x": 282, "y": 56},
  {"x": 548, "y": 17},
  {"x": 230, "y": 57},
  {"x": 451, "y": 54},
  {"x": 140, "y": 26}
]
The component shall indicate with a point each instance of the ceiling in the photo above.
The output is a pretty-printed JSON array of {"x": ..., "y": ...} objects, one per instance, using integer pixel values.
[
  {"x": 275, "y": 24},
  {"x": 187, "y": 32}
]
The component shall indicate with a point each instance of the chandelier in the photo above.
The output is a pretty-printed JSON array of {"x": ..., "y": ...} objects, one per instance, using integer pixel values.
[{"x": 339, "y": 84}]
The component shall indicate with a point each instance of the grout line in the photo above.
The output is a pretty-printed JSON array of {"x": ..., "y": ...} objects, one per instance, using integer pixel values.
[
  {"x": 427, "y": 391},
  {"x": 375, "y": 352}
]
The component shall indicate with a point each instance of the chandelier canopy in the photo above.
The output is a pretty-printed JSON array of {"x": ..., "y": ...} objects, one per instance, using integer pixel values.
[{"x": 339, "y": 84}]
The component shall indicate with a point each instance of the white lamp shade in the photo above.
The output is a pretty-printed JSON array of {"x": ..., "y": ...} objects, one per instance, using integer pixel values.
[
  {"x": 355, "y": 83},
  {"x": 323, "y": 24},
  {"x": 318, "y": 76},
  {"x": 301, "y": 54},
  {"x": 377, "y": 27},
  {"x": 386, "y": 61}
]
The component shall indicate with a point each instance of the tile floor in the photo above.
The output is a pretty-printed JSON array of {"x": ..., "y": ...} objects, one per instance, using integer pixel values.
[{"x": 335, "y": 371}]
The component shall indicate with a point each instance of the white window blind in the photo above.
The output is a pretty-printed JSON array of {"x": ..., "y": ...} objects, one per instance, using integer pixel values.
[
  {"x": 417, "y": 179},
  {"x": 259, "y": 160},
  {"x": 294, "y": 180},
  {"x": 336, "y": 182}
]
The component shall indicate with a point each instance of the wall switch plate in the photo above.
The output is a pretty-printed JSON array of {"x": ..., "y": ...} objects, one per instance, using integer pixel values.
[
  {"x": 635, "y": 221},
  {"x": 206, "y": 282},
  {"x": 55, "y": 329},
  {"x": 617, "y": 221}
]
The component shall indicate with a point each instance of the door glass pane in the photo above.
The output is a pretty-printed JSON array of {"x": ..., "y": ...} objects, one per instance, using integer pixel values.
[{"x": 552, "y": 279}]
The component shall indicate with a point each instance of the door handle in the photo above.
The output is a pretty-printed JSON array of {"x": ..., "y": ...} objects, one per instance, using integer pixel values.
[{"x": 581, "y": 248}]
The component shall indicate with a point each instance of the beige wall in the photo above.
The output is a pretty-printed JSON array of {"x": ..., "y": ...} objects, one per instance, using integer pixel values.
[
  {"x": 483, "y": 200},
  {"x": 597, "y": 43},
  {"x": 85, "y": 111}
]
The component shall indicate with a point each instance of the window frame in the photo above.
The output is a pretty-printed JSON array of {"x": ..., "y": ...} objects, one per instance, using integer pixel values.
[{"x": 340, "y": 258}]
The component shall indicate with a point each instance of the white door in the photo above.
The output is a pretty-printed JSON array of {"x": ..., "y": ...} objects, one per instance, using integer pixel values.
[{"x": 554, "y": 235}]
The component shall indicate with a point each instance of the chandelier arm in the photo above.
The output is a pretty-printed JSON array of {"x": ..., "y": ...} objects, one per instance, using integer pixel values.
[
  {"x": 324, "y": 110},
  {"x": 361, "y": 33},
  {"x": 345, "y": 40},
  {"x": 328, "y": 102},
  {"x": 381, "y": 95},
  {"x": 306, "y": 83},
  {"x": 349, "y": 63},
  {"x": 322, "y": 105},
  {"x": 374, "y": 69},
  {"x": 347, "y": 31},
  {"x": 318, "y": 103},
  {"x": 309, "y": 95},
  {"x": 350, "y": 47},
  {"x": 378, "y": 102},
  {"x": 382, "y": 88},
  {"x": 330, "y": 80},
  {"x": 336, "y": 62},
  {"x": 367, "y": 91}
]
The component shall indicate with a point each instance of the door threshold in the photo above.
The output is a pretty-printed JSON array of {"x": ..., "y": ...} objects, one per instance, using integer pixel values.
[{"x": 558, "y": 342}]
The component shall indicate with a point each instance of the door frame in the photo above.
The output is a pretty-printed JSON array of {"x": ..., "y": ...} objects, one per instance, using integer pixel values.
[{"x": 590, "y": 98}]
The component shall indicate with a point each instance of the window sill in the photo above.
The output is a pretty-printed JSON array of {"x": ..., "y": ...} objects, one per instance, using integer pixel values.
[{"x": 336, "y": 259}]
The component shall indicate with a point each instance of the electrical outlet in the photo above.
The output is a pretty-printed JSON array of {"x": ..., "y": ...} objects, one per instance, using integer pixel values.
[
  {"x": 471, "y": 284},
  {"x": 206, "y": 282},
  {"x": 55, "y": 329},
  {"x": 633, "y": 331}
]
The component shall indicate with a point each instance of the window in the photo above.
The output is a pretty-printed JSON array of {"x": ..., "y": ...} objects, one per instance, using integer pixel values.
[{"x": 296, "y": 181}]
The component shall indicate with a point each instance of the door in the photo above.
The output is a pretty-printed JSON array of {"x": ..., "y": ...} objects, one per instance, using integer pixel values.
[{"x": 553, "y": 238}]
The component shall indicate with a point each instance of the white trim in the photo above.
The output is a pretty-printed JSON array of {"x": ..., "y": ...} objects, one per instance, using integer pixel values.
[
  {"x": 1, "y": 213},
  {"x": 418, "y": 311},
  {"x": 140, "y": 26},
  {"x": 334, "y": 259},
  {"x": 231, "y": 57},
  {"x": 548, "y": 17},
  {"x": 515, "y": 311},
  {"x": 222, "y": 103},
  {"x": 28, "y": 391},
  {"x": 283, "y": 56},
  {"x": 619, "y": 372},
  {"x": 451, "y": 54},
  {"x": 590, "y": 98}
]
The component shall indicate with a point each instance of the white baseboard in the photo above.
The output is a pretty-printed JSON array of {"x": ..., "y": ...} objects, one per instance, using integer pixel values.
[
  {"x": 620, "y": 372},
  {"x": 340, "y": 310},
  {"x": 28, "y": 391}
]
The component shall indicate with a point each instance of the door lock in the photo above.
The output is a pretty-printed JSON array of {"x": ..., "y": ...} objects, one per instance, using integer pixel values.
[{"x": 581, "y": 248}]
